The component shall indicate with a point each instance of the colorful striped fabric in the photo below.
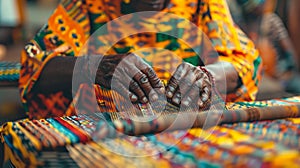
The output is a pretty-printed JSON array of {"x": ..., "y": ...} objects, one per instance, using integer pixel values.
[
  {"x": 70, "y": 141},
  {"x": 9, "y": 71}
]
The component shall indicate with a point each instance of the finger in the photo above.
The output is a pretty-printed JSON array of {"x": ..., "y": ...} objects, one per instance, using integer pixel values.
[
  {"x": 145, "y": 85},
  {"x": 205, "y": 94},
  {"x": 206, "y": 99},
  {"x": 206, "y": 91},
  {"x": 200, "y": 103},
  {"x": 188, "y": 86},
  {"x": 187, "y": 82},
  {"x": 121, "y": 82},
  {"x": 132, "y": 77},
  {"x": 197, "y": 96},
  {"x": 122, "y": 90},
  {"x": 176, "y": 98},
  {"x": 200, "y": 90},
  {"x": 154, "y": 80},
  {"x": 139, "y": 82},
  {"x": 155, "y": 85},
  {"x": 175, "y": 79},
  {"x": 192, "y": 97},
  {"x": 135, "y": 88}
]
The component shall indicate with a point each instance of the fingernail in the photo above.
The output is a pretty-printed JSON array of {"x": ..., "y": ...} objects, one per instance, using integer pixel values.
[
  {"x": 171, "y": 88},
  {"x": 176, "y": 100},
  {"x": 178, "y": 95},
  {"x": 204, "y": 97},
  {"x": 169, "y": 94},
  {"x": 134, "y": 98},
  {"x": 145, "y": 100}
]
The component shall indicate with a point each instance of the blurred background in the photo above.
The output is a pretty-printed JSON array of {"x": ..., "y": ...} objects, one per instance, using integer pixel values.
[{"x": 21, "y": 19}]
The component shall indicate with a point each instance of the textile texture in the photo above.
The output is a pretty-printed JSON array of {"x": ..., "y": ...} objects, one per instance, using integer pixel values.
[
  {"x": 67, "y": 141},
  {"x": 9, "y": 71}
]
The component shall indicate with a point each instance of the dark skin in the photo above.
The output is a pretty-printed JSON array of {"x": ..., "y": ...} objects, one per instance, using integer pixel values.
[
  {"x": 130, "y": 71},
  {"x": 189, "y": 83},
  {"x": 188, "y": 86}
]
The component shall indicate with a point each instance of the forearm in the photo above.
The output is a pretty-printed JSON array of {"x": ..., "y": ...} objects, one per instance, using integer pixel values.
[
  {"x": 225, "y": 75},
  {"x": 289, "y": 52},
  {"x": 56, "y": 76}
]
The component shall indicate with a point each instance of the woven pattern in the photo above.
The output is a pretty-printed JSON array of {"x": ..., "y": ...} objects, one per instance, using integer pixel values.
[
  {"x": 268, "y": 143},
  {"x": 9, "y": 71}
]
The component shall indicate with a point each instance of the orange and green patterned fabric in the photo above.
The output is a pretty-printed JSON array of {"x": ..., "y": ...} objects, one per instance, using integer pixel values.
[{"x": 73, "y": 22}]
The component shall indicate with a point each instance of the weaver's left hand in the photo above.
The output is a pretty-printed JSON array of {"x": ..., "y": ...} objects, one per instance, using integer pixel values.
[{"x": 189, "y": 86}]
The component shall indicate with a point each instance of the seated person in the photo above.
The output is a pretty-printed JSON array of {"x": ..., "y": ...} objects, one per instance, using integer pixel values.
[
  {"x": 269, "y": 34},
  {"x": 49, "y": 59}
]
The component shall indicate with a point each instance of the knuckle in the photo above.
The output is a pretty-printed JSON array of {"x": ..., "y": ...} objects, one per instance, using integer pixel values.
[
  {"x": 198, "y": 73},
  {"x": 134, "y": 85},
  {"x": 173, "y": 81},
  {"x": 151, "y": 73},
  {"x": 143, "y": 79},
  {"x": 157, "y": 83}
]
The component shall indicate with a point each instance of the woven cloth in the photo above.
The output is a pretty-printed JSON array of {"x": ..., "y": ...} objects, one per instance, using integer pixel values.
[
  {"x": 9, "y": 71},
  {"x": 68, "y": 141}
]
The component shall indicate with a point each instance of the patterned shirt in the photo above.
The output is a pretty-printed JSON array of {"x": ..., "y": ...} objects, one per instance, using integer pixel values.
[{"x": 73, "y": 23}]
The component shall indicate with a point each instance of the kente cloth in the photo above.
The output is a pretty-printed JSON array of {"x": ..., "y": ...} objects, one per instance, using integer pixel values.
[
  {"x": 9, "y": 71},
  {"x": 73, "y": 22},
  {"x": 70, "y": 141}
]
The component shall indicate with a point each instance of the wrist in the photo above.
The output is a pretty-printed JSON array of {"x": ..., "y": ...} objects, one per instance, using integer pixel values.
[
  {"x": 226, "y": 77},
  {"x": 209, "y": 75}
]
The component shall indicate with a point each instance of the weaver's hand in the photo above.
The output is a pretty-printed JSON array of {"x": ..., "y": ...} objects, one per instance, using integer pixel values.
[
  {"x": 189, "y": 86},
  {"x": 133, "y": 77}
]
